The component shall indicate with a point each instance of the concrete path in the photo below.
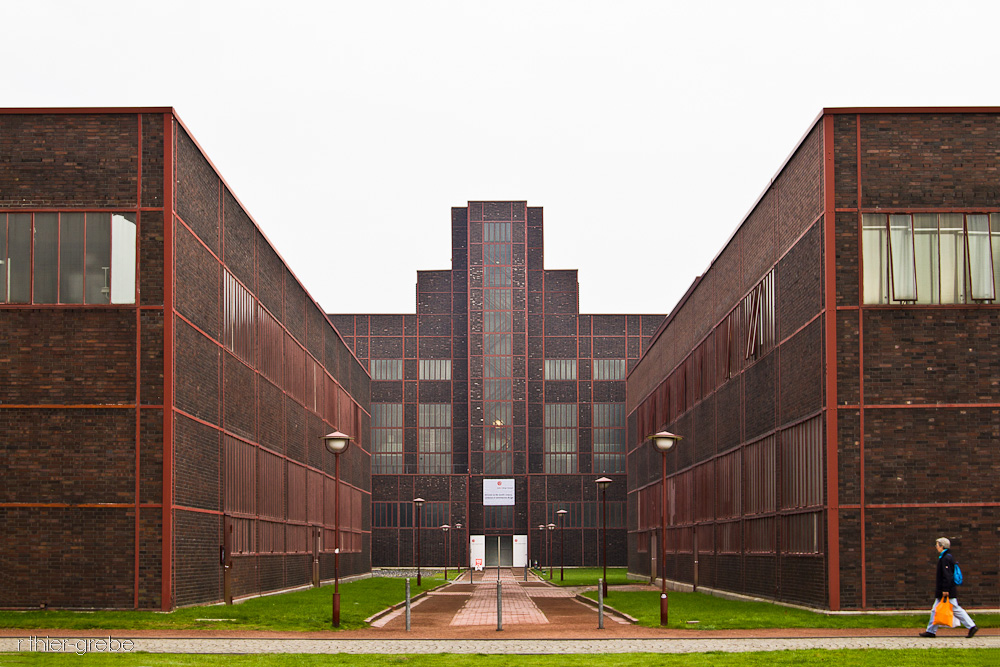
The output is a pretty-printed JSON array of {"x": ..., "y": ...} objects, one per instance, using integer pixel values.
[{"x": 519, "y": 646}]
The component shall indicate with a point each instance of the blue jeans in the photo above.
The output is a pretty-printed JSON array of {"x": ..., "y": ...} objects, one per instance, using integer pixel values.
[{"x": 960, "y": 615}]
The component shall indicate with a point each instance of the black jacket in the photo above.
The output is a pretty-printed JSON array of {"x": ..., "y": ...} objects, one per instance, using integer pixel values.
[{"x": 945, "y": 582}]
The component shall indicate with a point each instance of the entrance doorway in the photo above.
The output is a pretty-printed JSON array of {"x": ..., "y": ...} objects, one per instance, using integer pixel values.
[{"x": 499, "y": 551}]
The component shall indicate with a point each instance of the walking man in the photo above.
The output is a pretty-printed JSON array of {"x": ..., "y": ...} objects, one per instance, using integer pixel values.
[{"x": 945, "y": 583}]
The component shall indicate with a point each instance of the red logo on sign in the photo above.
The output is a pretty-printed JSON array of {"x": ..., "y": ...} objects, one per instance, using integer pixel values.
[{"x": 499, "y": 483}]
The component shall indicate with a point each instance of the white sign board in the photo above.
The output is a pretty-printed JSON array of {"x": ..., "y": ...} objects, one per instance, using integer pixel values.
[{"x": 498, "y": 492}]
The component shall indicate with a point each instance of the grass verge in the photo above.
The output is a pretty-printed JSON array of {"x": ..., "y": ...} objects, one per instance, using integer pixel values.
[
  {"x": 713, "y": 613},
  {"x": 301, "y": 611},
  {"x": 585, "y": 576},
  {"x": 839, "y": 658}
]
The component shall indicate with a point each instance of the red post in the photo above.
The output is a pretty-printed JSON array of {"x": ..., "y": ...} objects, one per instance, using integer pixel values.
[{"x": 664, "y": 603}]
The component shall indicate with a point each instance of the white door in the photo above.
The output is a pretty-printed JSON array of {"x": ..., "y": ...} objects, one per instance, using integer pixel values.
[
  {"x": 477, "y": 551},
  {"x": 520, "y": 550}
]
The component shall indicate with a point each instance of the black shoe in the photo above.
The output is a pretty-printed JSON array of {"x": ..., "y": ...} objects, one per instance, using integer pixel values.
[
  {"x": 929, "y": 634},
  {"x": 972, "y": 631}
]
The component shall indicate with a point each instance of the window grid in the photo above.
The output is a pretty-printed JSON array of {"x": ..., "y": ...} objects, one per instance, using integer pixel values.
[
  {"x": 386, "y": 369},
  {"x": 930, "y": 258},
  {"x": 560, "y": 369},
  {"x": 67, "y": 258},
  {"x": 435, "y": 369},
  {"x": 387, "y": 436},
  {"x": 609, "y": 369},
  {"x": 560, "y": 438},
  {"x": 609, "y": 437},
  {"x": 434, "y": 438}
]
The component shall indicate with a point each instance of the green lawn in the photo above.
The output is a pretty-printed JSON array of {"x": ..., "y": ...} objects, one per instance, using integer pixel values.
[
  {"x": 585, "y": 576},
  {"x": 294, "y": 612},
  {"x": 844, "y": 658},
  {"x": 714, "y": 613}
]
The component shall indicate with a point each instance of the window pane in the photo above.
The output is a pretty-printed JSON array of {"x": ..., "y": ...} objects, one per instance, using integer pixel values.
[
  {"x": 3, "y": 258},
  {"x": 952, "y": 239},
  {"x": 904, "y": 281},
  {"x": 926, "y": 261},
  {"x": 123, "y": 259},
  {"x": 875, "y": 255},
  {"x": 71, "y": 258},
  {"x": 98, "y": 286},
  {"x": 19, "y": 257},
  {"x": 995, "y": 238},
  {"x": 46, "y": 257},
  {"x": 980, "y": 257}
]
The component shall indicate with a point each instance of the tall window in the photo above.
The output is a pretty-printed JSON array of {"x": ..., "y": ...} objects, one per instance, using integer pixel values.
[
  {"x": 67, "y": 258},
  {"x": 609, "y": 437},
  {"x": 929, "y": 258},
  {"x": 434, "y": 438},
  {"x": 387, "y": 434},
  {"x": 560, "y": 438},
  {"x": 498, "y": 459}
]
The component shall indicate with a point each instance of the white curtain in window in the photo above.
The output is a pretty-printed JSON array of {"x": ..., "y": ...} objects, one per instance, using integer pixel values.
[
  {"x": 980, "y": 257},
  {"x": 875, "y": 255},
  {"x": 904, "y": 277},
  {"x": 952, "y": 239},
  {"x": 926, "y": 260}
]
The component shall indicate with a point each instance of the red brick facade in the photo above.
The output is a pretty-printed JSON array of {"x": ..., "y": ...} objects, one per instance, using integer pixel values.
[
  {"x": 903, "y": 396},
  {"x": 111, "y": 413}
]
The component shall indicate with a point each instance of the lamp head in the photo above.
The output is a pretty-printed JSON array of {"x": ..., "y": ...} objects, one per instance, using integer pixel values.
[
  {"x": 664, "y": 440},
  {"x": 603, "y": 483},
  {"x": 418, "y": 501},
  {"x": 337, "y": 442},
  {"x": 552, "y": 526},
  {"x": 561, "y": 512},
  {"x": 445, "y": 527}
]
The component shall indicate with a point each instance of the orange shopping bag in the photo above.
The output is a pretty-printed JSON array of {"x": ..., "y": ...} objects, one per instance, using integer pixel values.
[{"x": 944, "y": 614}]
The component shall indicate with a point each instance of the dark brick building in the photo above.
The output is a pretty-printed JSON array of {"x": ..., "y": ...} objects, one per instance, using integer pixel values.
[
  {"x": 496, "y": 377},
  {"x": 166, "y": 379},
  {"x": 834, "y": 374}
]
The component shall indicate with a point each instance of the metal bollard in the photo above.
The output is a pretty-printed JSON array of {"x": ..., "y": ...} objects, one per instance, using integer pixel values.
[
  {"x": 499, "y": 607},
  {"x": 407, "y": 604},
  {"x": 600, "y": 604},
  {"x": 525, "y": 571}
]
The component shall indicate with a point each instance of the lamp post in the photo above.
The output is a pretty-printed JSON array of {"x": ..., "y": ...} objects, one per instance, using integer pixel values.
[
  {"x": 541, "y": 527},
  {"x": 664, "y": 441},
  {"x": 458, "y": 527},
  {"x": 336, "y": 443},
  {"x": 562, "y": 542},
  {"x": 447, "y": 544},
  {"x": 602, "y": 484},
  {"x": 551, "y": 527},
  {"x": 419, "y": 502}
]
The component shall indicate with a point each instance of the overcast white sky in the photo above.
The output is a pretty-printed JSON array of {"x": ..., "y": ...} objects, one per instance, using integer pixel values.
[{"x": 349, "y": 129}]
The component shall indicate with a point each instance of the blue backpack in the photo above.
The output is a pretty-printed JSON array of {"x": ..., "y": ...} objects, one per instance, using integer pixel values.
[{"x": 958, "y": 575}]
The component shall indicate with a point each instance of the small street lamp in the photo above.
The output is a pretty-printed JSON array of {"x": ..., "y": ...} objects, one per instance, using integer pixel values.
[
  {"x": 541, "y": 527},
  {"x": 419, "y": 502},
  {"x": 603, "y": 484},
  {"x": 458, "y": 527},
  {"x": 336, "y": 443},
  {"x": 562, "y": 539},
  {"x": 664, "y": 441},
  {"x": 551, "y": 527},
  {"x": 447, "y": 544}
]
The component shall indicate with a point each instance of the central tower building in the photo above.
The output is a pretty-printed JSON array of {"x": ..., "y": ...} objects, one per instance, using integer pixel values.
[{"x": 498, "y": 404}]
